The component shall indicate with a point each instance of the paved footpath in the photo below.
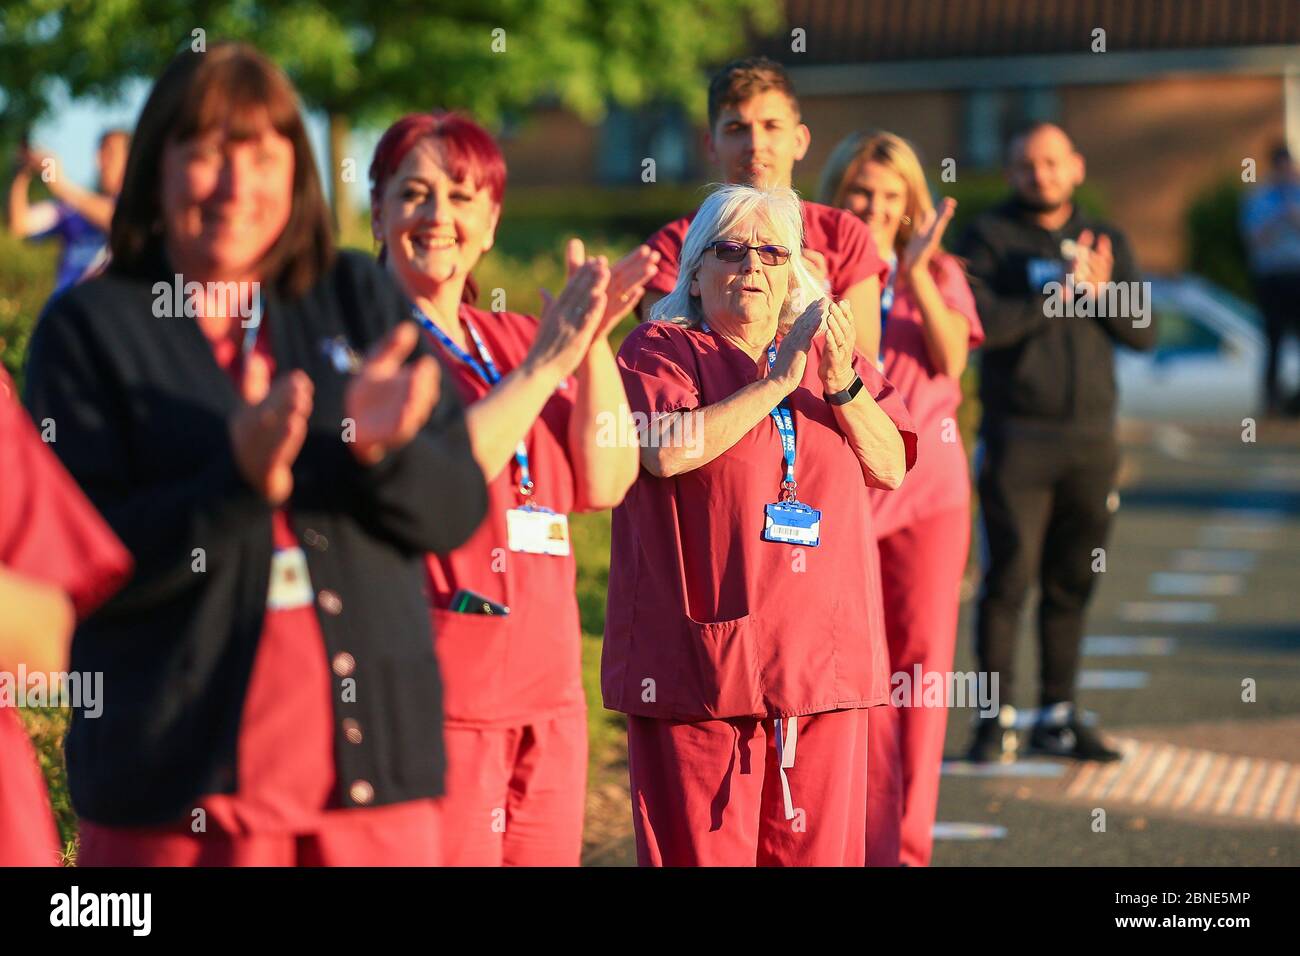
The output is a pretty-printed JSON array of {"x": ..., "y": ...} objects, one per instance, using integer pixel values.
[
  {"x": 1201, "y": 593},
  {"x": 1198, "y": 606}
]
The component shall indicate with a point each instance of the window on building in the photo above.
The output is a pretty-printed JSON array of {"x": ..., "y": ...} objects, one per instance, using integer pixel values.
[
  {"x": 991, "y": 115},
  {"x": 629, "y": 137}
]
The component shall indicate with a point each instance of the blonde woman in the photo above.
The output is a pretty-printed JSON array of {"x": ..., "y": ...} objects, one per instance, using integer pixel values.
[
  {"x": 928, "y": 327},
  {"x": 744, "y": 622}
]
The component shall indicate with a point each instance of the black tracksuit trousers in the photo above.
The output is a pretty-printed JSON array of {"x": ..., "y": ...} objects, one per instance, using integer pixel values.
[{"x": 1043, "y": 498}]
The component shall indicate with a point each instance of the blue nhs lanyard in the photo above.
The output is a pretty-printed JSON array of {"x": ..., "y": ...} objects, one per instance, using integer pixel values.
[
  {"x": 487, "y": 371},
  {"x": 251, "y": 330},
  {"x": 887, "y": 300},
  {"x": 785, "y": 427}
]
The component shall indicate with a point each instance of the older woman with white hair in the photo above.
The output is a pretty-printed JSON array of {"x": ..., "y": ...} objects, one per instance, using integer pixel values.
[{"x": 744, "y": 620}]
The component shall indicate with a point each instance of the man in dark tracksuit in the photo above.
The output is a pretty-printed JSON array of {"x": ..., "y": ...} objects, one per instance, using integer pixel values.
[{"x": 1056, "y": 291}]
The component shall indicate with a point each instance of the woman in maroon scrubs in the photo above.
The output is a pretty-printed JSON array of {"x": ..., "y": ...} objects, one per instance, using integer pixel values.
[
  {"x": 58, "y": 562},
  {"x": 543, "y": 399},
  {"x": 744, "y": 622},
  {"x": 929, "y": 328}
]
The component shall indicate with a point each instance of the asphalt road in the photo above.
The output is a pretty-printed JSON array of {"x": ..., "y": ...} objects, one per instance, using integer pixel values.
[
  {"x": 1200, "y": 597},
  {"x": 1201, "y": 592}
]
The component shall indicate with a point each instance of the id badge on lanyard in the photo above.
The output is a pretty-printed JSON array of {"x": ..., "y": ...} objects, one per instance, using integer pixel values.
[
  {"x": 789, "y": 521},
  {"x": 534, "y": 530},
  {"x": 530, "y": 528},
  {"x": 290, "y": 585}
]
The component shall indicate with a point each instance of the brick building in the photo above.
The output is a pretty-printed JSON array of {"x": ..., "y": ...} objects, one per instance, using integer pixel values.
[{"x": 1183, "y": 92}]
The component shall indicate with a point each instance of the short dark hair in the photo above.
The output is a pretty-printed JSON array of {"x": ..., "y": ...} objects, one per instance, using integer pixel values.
[
  {"x": 740, "y": 80},
  {"x": 1281, "y": 154},
  {"x": 195, "y": 92},
  {"x": 1023, "y": 132}
]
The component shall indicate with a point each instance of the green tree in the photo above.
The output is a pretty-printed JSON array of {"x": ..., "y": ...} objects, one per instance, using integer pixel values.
[{"x": 363, "y": 63}]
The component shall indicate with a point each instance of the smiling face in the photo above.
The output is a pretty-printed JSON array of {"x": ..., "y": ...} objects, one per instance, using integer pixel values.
[
  {"x": 225, "y": 202},
  {"x": 748, "y": 292},
  {"x": 878, "y": 196},
  {"x": 758, "y": 141},
  {"x": 435, "y": 228}
]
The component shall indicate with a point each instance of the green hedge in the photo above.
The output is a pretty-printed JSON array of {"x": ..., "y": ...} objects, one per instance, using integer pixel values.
[{"x": 26, "y": 279}]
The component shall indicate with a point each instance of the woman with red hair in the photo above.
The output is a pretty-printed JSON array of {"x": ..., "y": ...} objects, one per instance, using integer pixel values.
[{"x": 546, "y": 411}]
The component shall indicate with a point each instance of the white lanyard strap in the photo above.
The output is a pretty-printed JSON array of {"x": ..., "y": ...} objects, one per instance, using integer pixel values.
[{"x": 786, "y": 742}]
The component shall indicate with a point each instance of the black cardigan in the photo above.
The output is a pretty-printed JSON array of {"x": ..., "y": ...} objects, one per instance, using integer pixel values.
[{"x": 140, "y": 410}]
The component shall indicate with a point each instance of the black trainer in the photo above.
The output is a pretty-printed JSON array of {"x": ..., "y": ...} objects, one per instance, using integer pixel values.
[
  {"x": 995, "y": 740},
  {"x": 1060, "y": 733}
]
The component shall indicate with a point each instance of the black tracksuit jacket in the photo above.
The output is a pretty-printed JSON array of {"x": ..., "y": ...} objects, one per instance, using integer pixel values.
[{"x": 1036, "y": 366}]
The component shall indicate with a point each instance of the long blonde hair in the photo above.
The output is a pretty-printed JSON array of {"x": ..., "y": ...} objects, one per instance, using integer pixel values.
[
  {"x": 895, "y": 154},
  {"x": 724, "y": 209}
]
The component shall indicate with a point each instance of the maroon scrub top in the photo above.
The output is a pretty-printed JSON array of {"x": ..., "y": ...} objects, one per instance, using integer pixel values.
[
  {"x": 707, "y": 620},
  {"x": 941, "y": 480},
  {"x": 511, "y": 670}
]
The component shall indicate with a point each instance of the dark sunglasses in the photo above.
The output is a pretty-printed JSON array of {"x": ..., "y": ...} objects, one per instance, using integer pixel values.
[{"x": 769, "y": 255}]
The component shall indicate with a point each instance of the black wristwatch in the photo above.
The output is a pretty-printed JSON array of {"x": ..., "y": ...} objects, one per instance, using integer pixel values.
[{"x": 846, "y": 396}]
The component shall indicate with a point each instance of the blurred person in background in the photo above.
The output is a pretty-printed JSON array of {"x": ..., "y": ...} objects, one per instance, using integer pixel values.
[
  {"x": 58, "y": 562},
  {"x": 744, "y": 636},
  {"x": 278, "y": 474},
  {"x": 542, "y": 397},
  {"x": 1049, "y": 453},
  {"x": 928, "y": 328},
  {"x": 78, "y": 217},
  {"x": 755, "y": 137},
  {"x": 1270, "y": 223}
]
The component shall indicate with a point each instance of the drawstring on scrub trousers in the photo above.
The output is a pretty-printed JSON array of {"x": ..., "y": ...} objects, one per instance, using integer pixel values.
[{"x": 786, "y": 741}]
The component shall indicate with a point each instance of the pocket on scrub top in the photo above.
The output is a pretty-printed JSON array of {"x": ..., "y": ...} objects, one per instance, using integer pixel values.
[
  {"x": 719, "y": 677},
  {"x": 473, "y": 652}
]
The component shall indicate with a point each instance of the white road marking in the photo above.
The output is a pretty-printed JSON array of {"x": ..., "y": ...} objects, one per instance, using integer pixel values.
[
  {"x": 968, "y": 831},
  {"x": 1223, "y": 560},
  {"x": 1237, "y": 536},
  {"x": 1120, "y": 646},
  {"x": 1166, "y": 776},
  {"x": 1168, "y": 612},
  {"x": 1020, "y": 768},
  {"x": 1185, "y": 584},
  {"x": 1112, "y": 680}
]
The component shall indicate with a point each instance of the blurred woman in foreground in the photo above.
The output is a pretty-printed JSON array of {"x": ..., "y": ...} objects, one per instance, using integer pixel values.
[{"x": 237, "y": 400}]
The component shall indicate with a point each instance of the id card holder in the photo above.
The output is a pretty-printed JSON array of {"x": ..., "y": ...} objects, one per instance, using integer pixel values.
[
  {"x": 532, "y": 530},
  {"x": 290, "y": 583},
  {"x": 793, "y": 522}
]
